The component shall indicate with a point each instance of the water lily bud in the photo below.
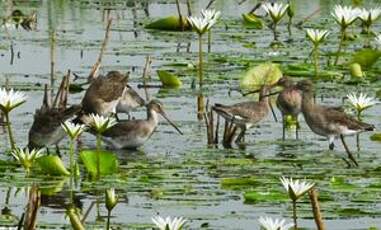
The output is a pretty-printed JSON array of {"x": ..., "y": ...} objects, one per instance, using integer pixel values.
[
  {"x": 111, "y": 199},
  {"x": 75, "y": 220},
  {"x": 356, "y": 71}
]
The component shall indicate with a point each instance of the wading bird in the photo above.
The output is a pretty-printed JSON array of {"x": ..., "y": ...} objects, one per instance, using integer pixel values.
[
  {"x": 134, "y": 133},
  {"x": 245, "y": 114},
  {"x": 329, "y": 122}
]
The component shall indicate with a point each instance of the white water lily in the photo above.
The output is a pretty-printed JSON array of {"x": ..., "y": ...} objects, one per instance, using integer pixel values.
[
  {"x": 204, "y": 23},
  {"x": 73, "y": 130},
  {"x": 168, "y": 223},
  {"x": 10, "y": 99},
  {"x": 361, "y": 101},
  {"x": 296, "y": 188},
  {"x": 274, "y": 224},
  {"x": 211, "y": 14},
  {"x": 369, "y": 16},
  {"x": 345, "y": 15},
  {"x": 101, "y": 123},
  {"x": 317, "y": 36},
  {"x": 26, "y": 157},
  {"x": 275, "y": 10}
]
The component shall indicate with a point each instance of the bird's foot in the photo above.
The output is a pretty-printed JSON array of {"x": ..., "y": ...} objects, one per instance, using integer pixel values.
[{"x": 331, "y": 146}]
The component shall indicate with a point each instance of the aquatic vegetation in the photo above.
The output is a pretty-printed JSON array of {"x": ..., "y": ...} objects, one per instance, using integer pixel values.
[
  {"x": 202, "y": 25},
  {"x": 344, "y": 16},
  {"x": 9, "y": 100},
  {"x": 168, "y": 79},
  {"x": 52, "y": 165},
  {"x": 267, "y": 223},
  {"x": 360, "y": 102},
  {"x": 368, "y": 17},
  {"x": 169, "y": 223},
  {"x": 316, "y": 37},
  {"x": 111, "y": 200},
  {"x": 296, "y": 189},
  {"x": 276, "y": 12},
  {"x": 26, "y": 157},
  {"x": 73, "y": 131}
]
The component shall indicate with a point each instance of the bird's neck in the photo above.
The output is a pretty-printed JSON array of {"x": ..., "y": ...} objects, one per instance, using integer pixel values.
[
  {"x": 263, "y": 96},
  {"x": 308, "y": 102},
  {"x": 152, "y": 116}
]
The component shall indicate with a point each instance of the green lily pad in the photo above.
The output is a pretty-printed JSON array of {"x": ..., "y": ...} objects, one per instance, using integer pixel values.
[
  {"x": 266, "y": 73},
  {"x": 171, "y": 23},
  {"x": 237, "y": 183},
  {"x": 252, "y": 21},
  {"x": 54, "y": 188},
  {"x": 107, "y": 160},
  {"x": 52, "y": 165},
  {"x": 376, "y": 137},
  {"x": 366, "y": 57},
  {"x": 168, "y": 79},
  {"x": 265, "y": 197}
]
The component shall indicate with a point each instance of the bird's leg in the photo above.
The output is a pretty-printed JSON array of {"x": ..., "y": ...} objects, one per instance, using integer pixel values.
[
  {"x": 348, "y": 152},
  {"x": 47, "y": 150},
  {"x": 358, "y": 144},
  {"x": 297, "y": 127},
  {"x": 331, "y": 141},
  {"x": 58, "y": 151},
  {"x": 283, "y": 127},
  {"x": 232, "y": 135},
  {"x": 241, "y": 135},
  {"x": 116, "y": 116}
]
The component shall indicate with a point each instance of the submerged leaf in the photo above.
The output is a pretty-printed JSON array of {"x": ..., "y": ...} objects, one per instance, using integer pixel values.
[
  {"x": 171, "y": 23},
  {"x": 52, "y": 165},
  {"x": 168, "y": 79},
  {"x": 267, "y": 197},
  {"x": 107, "y": 160}
]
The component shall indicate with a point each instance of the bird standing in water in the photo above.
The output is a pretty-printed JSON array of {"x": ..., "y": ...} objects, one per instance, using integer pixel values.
[
  {"x": 329, "y": 122},
  {"x": 245, "y": 114},
  {"x": 132, "y": 134},
  {"x": 289, "y": 102}
]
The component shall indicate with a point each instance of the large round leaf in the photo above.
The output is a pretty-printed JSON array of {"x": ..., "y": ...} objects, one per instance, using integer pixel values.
[
  {"x": 169, "y": 23},
  {"x": 266, "y": 73},
  {"x": 108, "y": 162},
  {"x": 252, "y": 21},
  {"x": 168, "y": 79},
  {"x": 366, "y": 57},
  {"x": 52, "y": 165}
]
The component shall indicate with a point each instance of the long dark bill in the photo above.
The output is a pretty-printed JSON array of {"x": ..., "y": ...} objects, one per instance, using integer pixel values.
[{"x": 170, "y": 122}]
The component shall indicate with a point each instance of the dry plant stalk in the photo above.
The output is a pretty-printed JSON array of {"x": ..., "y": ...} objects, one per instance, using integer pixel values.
[
  {"x": 313, "y": 194},
  {"x": 32, "y": 207},
  {"x": 97, "y": 65}
]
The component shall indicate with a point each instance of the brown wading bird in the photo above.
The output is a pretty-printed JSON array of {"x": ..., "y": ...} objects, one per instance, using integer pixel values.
[
  {"x": 289, "y": 102},
  {"x": 329, "y": 122},
  {"x": 46, "y": 129},
  {"x": 108, "y": 95},
  {"x": 134, "y": 133},
  {"x": 244, "y": 115}
]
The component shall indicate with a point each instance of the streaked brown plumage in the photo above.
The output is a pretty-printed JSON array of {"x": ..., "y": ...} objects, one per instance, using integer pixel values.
[
  {"x": 46, "y": 129},
  {"x": 134, "y": 133},
  {"x": 129, "y": 101},
  {"x": 329, "y": 122},
  {"x": 245, "y": 114}
]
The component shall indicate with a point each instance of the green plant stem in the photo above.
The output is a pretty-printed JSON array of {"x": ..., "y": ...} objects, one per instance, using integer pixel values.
[
  {"x": 316, "y": 61},
  {"x": 200, "y": 77},
  {"x": 99, "y": 143},
  {"x": 10, "y": 133},
  {"x": 71, "y": 157},
  {"x": 209, "y": 41},
  {"x": 274, "y": 32},
  {"x": 289, "y": 26},
  {"x": 340, "y": 45},
  {"x": 108, "y": 219},
  {"x": 294, "y": 214}
]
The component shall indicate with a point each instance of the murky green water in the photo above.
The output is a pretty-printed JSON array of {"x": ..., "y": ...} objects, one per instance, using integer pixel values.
[{"x": 178, "y": 175}]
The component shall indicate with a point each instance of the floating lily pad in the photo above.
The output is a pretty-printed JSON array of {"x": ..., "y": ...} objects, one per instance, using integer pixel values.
[
  {"x": 168, "y": 79},
  {"x": 171, "y": 23},
  {"x": 52, "y": 165},
  {"x": 266, "y": 197},
  {"x": 376, "y": 137},
  {"x": 366, "y": 57},
  {"x": 237, "y": 183},
  {"x": 266, "y": 73},
  {"x": 107, "y": 160},
  {"x": 252, "y": 21}
]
